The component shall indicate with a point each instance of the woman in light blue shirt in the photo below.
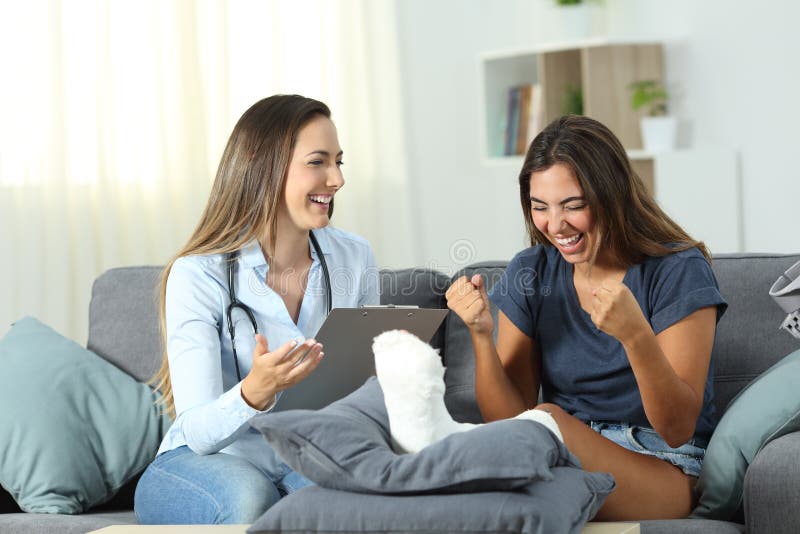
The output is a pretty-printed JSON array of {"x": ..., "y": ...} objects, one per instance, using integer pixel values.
[{"x": 266, "y": 224}]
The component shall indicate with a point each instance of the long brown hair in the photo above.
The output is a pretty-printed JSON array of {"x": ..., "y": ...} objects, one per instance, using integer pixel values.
[
  {"x": 246, "y": 193},
  {"x": 628, "y": 220}
]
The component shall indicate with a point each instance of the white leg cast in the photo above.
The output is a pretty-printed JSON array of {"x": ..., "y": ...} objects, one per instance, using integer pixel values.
[
  {"x": 540, "y": 416},
  {"x": 411, "y": 376}
]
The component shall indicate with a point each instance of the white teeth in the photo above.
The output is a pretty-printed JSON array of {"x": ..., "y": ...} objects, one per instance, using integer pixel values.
[
  {"x": 569, "y": 240},
  {"x": 325, "y": 199}
]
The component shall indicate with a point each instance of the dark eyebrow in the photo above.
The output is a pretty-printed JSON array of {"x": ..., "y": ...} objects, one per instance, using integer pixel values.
[
  {"x": 565, "y": 201},
  {"x": 324, "y": 153}
]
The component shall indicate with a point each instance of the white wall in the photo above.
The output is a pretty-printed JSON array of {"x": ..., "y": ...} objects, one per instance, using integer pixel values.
[{"x": 732, "y": 64}]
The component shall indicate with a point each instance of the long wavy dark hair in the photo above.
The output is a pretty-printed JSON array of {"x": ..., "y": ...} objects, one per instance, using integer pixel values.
[{"x": 628, "y": 220}]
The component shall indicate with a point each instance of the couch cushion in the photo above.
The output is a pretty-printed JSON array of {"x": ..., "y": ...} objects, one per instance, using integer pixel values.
[
  {"x": 346, "y": 446},
  {"x": 772, "y": 487},
  {"x": 459, "y": 358},
  {"x": 75, "y": 428},
  {"x": 62, "y": 524},
  {"x": 748, "y": 339},
  {"x": 563, "y": 504},
  {"x": 689, "y": 526},
  {"x": 416, "y": 287},
  {"x": 766, "y": 409},
  {"x": 123, "y": 320}
]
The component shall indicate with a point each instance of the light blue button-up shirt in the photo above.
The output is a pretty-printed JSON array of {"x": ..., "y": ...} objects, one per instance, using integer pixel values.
[{"x": 211, "y": 413}]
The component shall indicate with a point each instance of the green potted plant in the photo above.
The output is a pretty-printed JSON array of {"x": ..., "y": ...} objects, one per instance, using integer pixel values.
[
  {"x": 659, "y": 129},
  {"x": 572, "y": 102}
]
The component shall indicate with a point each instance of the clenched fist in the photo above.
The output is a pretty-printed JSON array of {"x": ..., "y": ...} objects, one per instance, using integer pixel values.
[
  {"x": 616, "y": 312},
  {"x": 468, "y": 299}
]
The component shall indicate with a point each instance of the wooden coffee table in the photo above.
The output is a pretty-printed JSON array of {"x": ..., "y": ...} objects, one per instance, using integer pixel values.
[{"x": 590, "y": 528}]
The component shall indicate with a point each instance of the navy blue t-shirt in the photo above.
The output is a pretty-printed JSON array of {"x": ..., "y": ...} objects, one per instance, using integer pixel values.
[{"x": 585, "y": 371}]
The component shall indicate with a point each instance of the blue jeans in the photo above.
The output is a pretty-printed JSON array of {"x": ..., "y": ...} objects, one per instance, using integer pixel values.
[
  {"x": 182, "y": 487},
  {"x": 688, "y": 457}
]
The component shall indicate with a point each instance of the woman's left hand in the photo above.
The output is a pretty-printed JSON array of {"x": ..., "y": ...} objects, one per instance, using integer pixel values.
[{"x": 616, "y": 312}]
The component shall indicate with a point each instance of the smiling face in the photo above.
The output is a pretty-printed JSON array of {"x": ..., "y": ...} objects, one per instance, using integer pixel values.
[
  {"x": 560, "y": 211},
  {"x": 313, "y": 176}
]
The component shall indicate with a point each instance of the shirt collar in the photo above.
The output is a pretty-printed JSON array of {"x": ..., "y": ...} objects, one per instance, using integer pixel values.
[
  {"x": 324, "y": 243},
  {"x": 252, "y": 256}
]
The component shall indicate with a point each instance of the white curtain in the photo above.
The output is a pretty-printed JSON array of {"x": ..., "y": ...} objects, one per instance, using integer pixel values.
[{"x": 114, "y": 113}]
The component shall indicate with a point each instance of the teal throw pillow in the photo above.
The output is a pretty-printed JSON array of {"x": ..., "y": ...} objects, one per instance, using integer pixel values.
[
  {"x": 768, "y": 408},
  {"x": 75, "y": 428}
]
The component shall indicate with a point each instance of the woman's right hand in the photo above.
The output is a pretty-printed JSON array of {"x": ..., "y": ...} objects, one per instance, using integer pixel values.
[
  {"x": 468, "y": 299},
  {"x": 276, "y": 371}
]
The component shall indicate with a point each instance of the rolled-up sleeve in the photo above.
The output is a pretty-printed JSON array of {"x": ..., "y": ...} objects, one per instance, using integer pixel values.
[{"x": 684, "y": 285}]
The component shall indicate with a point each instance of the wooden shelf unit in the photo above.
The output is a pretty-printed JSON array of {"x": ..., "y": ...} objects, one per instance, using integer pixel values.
[{"x": 602, "y": 68}]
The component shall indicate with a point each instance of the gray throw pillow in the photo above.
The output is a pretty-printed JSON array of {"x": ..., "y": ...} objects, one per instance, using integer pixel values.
[
  {"x": 563, "y": 504},
  {"x": 346, "y": 446},
  {"x": 75, "y": 428}
]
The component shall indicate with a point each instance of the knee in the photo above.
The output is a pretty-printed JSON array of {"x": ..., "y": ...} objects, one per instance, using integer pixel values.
[
  {"x": 203, "y": 489},
  {"x": 544, "y": 417},
  {"x": 246, "y": 503},
  {"x": 550, "y": 408},
  {"x": 556, "y": 411}
]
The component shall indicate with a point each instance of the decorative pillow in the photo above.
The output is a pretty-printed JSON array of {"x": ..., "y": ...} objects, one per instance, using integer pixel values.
[
  {"x": 346, "y": 446},
  {"x": 563, "y": 504},
  {"x": 75, "y": 428},
  {"x": 766, "y": 409}
]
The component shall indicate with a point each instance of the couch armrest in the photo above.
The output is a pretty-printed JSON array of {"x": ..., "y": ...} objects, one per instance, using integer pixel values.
[{"x": 772, "y": 487}]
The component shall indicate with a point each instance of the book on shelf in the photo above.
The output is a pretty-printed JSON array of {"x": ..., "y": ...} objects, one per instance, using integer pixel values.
[
  {"x": 512, "y": 121},
  {"x": 523, "y": 118}
]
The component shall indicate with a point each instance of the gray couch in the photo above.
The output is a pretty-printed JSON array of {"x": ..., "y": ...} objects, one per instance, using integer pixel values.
[{"x": 123, "y": 330}]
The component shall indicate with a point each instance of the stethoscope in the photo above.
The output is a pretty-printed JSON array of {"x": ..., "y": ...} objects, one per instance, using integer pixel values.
[{"x": 230, "y": 258}]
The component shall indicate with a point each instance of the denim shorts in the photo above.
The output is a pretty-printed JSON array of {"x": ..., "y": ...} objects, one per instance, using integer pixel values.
[{"x": 688, "y": 457}]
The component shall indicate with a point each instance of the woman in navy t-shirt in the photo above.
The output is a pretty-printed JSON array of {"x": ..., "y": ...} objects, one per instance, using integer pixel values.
[{"x": 612, "y": 312}]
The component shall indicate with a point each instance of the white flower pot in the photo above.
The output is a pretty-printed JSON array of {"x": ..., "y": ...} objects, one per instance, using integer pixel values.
[
  {"x": 581, "y": 21},
  {"x": 659, "y": 134}
]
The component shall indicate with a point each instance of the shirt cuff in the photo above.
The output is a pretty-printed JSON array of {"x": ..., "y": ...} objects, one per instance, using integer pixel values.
[
  {"x": 234, "y": 404},
  {"x": 244, "y": 408},
  {"x": 271, "y": 404}
]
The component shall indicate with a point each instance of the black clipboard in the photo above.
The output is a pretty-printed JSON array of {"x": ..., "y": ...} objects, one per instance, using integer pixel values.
[{"x": 346, "y": 337}]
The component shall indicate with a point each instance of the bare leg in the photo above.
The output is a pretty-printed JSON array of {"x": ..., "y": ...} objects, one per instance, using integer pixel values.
[
  {"x": 647, "y": 487},
  {"x": 543, "y": 417}
]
